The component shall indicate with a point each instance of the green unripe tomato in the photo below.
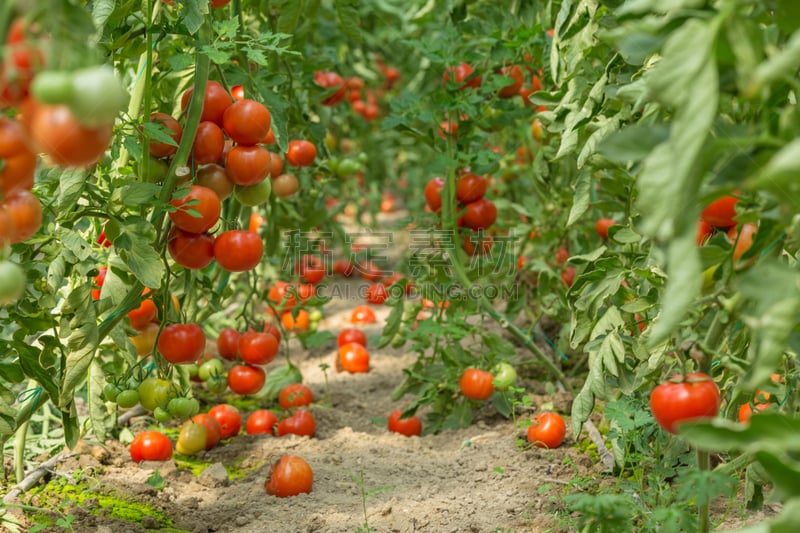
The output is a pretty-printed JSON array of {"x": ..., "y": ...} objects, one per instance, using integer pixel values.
[
  {"x": 110, "y": 392},
  {"x": 217, "y": 384},
  {"x": 183, "y": 408},
  {"x": 154, "y": 392},
  {"x": 212, "y": 367},
  {"x": 98, "y": 95},
  {"x": 12, "y": 283},
  {"x": 152, "y": 170},
  {"x": 253, "y": 195},
  {"x": 348, "y": 167},
  {"x": 53, "y": 87},
  {"x": 315, "y": 315},
  {"x": 191, "y": 439},
  {"x": 162, "y": 415},
  {"x": 127, "y": 398},
  {"x": 504, "y": 376}
]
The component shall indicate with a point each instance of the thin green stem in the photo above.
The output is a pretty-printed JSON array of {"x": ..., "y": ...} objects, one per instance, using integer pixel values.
[{"x": 703, "y": 463}]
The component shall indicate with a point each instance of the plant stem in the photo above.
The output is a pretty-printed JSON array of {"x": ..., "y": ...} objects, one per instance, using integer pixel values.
[{"x": 703, "y": 463}]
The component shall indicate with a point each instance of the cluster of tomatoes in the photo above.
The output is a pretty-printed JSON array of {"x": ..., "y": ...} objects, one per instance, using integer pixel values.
[
  {"x": 353, "y": 87},
  {"x": 249, "y": 351},
  {"x": 478, "y": 214}
]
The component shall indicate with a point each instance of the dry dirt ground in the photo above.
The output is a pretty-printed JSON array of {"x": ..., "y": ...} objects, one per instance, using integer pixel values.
[{"x": 365, "y": 479}]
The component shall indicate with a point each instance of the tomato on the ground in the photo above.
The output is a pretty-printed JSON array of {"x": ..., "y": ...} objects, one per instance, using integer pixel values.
[
  {"x": 362, "y": 314},
  {"x": 150, "y": 446},
  {"x": 301, "y": 422},
  {"x": 213, "y": 429},
  {"x": 295, "y": 395},
  {"x": 547, "y": 430},
  {"x": 349, "y": 335},
  {"x": 289, "y": 476},
  {"x": 192, "y": 438},
  {"x": 354, "y": 358},
  {"x": 410, "y": 426},
  {"x": 261, "y": 421}
]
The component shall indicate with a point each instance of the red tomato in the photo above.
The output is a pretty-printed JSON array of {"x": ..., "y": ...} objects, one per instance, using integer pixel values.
[
  {"x": 228, "y": 418},
  {"x": 295, "y": 395},
  {"x": 331, "y": 80},
  {"x": 246, "y": 379},
  {"x": 480, "y": 214},
  {"x": 353, "y": 358},
  {"x": 209, "y": 143},
  {"x": 273, "y": 330},
  {"x": 470, "y": 188},
  {"x": 512, "y": 89},
  {"x": 228, "y": 344},
  {"x": 24, "y": 215},
  {"x": 143, "y": 315},
  {"x": 151, "y": 446},
  {"x": 477, "y": 244},
  {"x": 310, "y": 268},
  {"x": 160, "y": 149},
  {"x": 602, "y": 225},
  {"x": 301, "y": 153},
  {"x": 351, "y": 335},
  {"x": 247, "y": 122},
  {"x": 261, "y": 421},
  {"x": 237, "y": 91},
  {"x": 344, "y": 267},
  {"x": 257, "y": 348},
  {"x": 362, "y": 314},
  {"x": 679, "y": 399},
  {"x": 99, "y": 279},
  {"x": 568, "y": 275},
  {"x": 746, "y": 411},
  {"x": 56, "y": 132},
  {"x": 197, "y": 210},
  {"x": 190, "y": 250},
  {"x": 282, "y": 295},
  {"x": 302, "y": 423},
  {"x": 296, "y": 320},
  {"x": 462, "y": 73},
  {"x": 238, "y": 250},
  {"x": 547, "y": 430},
  {"x": 370, "y": 271},
  {"x": 704, "y": 232},
  {"x": 248, "y": 165},
  {"x": 182, "y": 343},
  {"x": 275, "y": 165},
  {"x": 406, "y": 426},
  {"x": 377, "y": 293},
  {"x": 720, "y": 212},
  {"x": 433, "y": 193},
  {"x": 742, "y": 239},
  {"x": 213, "y": 429},
  {"x": 562, "y": 255},
  {"x": 19, "y": 161},
  {"x": 215, "y": 101},
  {"x": 476, "y": 384},
  {"x": 289, "y": 476}
]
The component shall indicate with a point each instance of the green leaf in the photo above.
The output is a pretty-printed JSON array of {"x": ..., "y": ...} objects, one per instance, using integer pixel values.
[
  {"x": 781, "y": 170},
  {"x": 81, "y": 344},
  {"x": 136, "y": 194},
  {"x": 193, "y": 13},
  {"x": 102, "y": 420},
  {"x": 71, "y": 184},
  {"x": 783, "y": 472},
  {"x": 581, "y": 199},
  {"x": 632, "y": 143},
  {"x": 135, "y": 247},
  {"x": 766, "y": 431},
  {"x": 156, "y": 480},
  {"x": 277, "y": 379},
  {"x": 101, "y": 10},
  {"x": 783, "y": 64},
  {"x": 393, "y": 323},
  {"x": 318, "y": 338},
  {"x": 658, "y": 6},
  {"x": 684, "y": 284},
  {"x": 787, "y": 15},
  {"x": 349, "y": 20},
  {"x": 289, "y": 12},
  {"x": 69, "y": 421}
]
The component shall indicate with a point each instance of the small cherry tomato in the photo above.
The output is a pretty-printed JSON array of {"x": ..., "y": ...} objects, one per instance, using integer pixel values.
[{"x": 150, "y": 446}]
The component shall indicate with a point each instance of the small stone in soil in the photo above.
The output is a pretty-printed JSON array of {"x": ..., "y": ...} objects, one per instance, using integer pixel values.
[{"x": 214, "y": 476}]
